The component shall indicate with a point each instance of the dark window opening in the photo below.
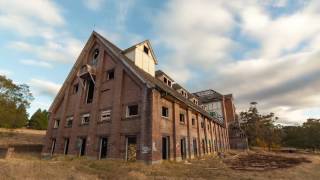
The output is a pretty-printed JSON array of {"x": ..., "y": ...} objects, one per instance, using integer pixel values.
[
  {"x": 110, "y": 74},
  {"x": 165, "y": 80},
  {"x": 182, "y": 120},
  {"x": 95, "y": 57},
  {"x": 193, "y": 121},
  {"x": 165, "y": 112},
  {"x": 132, "y": 110},
  {"x": 90, "y": 91},
  {"x": 66, "y": 145},
  {"x": 56, "y": 123},
  {"x": 146, "y": 49},
  {"x": 75, "y": 88},
  {"x": 169, "y": 83},
  {"x": 183, "y": 148}
]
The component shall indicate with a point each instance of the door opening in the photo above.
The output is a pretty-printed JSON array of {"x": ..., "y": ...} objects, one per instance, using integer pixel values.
[
  {"x": 131, "y": 148},
  {"x": 183, "y": 148},
  {"x": 195, "y": 149},
  {"x": 66, "y": 145},
  {"x": 103, "y": 148},
  {"x": 53, "y": 145},
  {"x": 83, "y": 142},
  {"x": 165, "y": 148}
]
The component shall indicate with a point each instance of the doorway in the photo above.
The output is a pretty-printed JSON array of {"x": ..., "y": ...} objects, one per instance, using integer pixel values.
[
  {"x": 195, "y": 149},
  {"x": 165, "y": 147},
  {"x": 183, "y": 148},
  {"x": 66, "y": 146},
  {"x": 53, "y": 145},
  {"x": 103, "y": 147},
  {"x": 131, "y": 148},
  {"x": 83, "y": 142}
]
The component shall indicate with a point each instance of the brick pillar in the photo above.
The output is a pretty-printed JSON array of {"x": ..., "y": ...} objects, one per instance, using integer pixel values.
[
  {"x": 155, "y": 142},
  {"x": 176, "y": 125},
  {"x": 189, "y": 117}
]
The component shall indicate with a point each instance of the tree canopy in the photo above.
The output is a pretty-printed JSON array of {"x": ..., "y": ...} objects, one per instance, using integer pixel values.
[
  {"x": 39, "y": 120},
  {"x": 14, "y": 101}
]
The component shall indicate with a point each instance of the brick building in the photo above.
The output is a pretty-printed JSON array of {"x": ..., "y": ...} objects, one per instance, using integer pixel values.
[{"x": 114, "y": 104}]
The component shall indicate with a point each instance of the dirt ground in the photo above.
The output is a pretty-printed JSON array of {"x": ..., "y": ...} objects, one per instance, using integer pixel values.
[{"x": 257, "y": 165}]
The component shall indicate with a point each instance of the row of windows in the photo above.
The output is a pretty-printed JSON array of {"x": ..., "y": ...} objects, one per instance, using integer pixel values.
[{"x": 105, "y": 115}]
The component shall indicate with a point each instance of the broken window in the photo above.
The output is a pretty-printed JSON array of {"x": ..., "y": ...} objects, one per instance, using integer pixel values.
[
  {"x": 169, "y": 83},
  {"x": 165, "y": 80},
  {"x": 110, "y": 74},
  {"x": 182, "y": 119},
  {"x": 146, "y": 49},
  {"x": 69, "y": 121},
  {"x": 132, "y": 110},
  {"x": 85, "y": 119},
  {"x": 105, "y": 115},
  {"x": 165, "y": 112},
  {"x": 56, "y": 123},
  {"x": 90, "y": 91},
  {"x": 95, "y": 57}
]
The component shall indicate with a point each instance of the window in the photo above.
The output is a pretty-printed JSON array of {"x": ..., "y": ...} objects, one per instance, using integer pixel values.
[
  {"x": 193, "y": 121},
  {"x": 132, "y": 110},
  {"x": 146, "y": 49},
  {"x": 165, "y": 112},
  {"x": 85, "y": 118},
  {"x": 56, "y": 123},
  {"x": 95, "y": 57},
  {"x": 182, "y": 120},
  {"x": 105, "y": 115},
  {"x": 75, "y": 88},
  {"x": 202, "y": 124},
  {"x": 169, "y": 83},
  {"x": 165, "y": 80},
  {"x": 110, "y": 74},
  {"x": 69, "y": 121},
  {"x": 90, "y": 91}
]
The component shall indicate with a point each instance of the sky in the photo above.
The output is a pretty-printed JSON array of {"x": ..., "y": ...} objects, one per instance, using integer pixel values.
[{"x": 259, "y": 50}]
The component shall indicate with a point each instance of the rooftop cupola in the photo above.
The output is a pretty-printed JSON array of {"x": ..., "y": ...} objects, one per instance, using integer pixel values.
[{"x": 143, "y": 56}]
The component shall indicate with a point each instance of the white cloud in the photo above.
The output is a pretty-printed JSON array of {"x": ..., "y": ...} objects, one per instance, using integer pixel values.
[
  {"x": 44, "y": 87},
  {"x": 279, "y": 69},
  {"x": 5, "y": 72},
  {"x": 93, "y": 4},
  {"x": 38, "y": 63}
]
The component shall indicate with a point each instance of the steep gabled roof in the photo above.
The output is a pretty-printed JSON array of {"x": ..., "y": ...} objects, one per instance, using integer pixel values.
[
  {"x": 140, "y": 43},
  {"x": 143, "y": 76}
]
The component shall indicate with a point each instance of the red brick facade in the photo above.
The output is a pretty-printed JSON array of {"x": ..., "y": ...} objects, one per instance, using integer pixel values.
[{"x": 146, "y": 132}]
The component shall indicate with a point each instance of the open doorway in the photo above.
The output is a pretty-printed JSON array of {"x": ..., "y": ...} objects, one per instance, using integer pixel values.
[
  {"x": 103, "y": 147},
  {"x": 82, "y": 143},
  {"x": 66, "y": 145},
  {"x": 165, "y": 147},
  {"x": 195, "y": 149},
  {"x": 131, "y": 148},
  {"x": 53, "y": 145},
  {"x": 183, "y": 148}
]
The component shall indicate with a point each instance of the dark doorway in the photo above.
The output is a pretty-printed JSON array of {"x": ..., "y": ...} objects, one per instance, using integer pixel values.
[
  {"x": 53, "y": 145},
  {"x": 165, "y": 148},
  {"x": 103, "y": 148},
  {"x": 195, "y": 149},
  {"x": 183, "y": 148},
  {"x": 90, "y": 91},
  {"x": 131, "y": 152},
  {"x": 83, "y": 142},
  {"x": 203, "y": 146},
  {"x": 66, "y": 145}
]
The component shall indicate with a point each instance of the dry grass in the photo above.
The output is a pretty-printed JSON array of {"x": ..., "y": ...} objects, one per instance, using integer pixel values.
[{"x": 21, "y": 136}]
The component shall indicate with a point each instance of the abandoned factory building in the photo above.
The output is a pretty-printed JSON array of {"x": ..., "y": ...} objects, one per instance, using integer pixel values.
[{"x": 114, "y": 104}]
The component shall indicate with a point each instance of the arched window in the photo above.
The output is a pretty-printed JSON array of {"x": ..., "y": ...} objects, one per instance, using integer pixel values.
[{"x": 95, "y": 57}]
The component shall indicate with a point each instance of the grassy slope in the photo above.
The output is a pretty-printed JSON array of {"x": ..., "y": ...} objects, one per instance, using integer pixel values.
[{"x": 21, "y": 136}]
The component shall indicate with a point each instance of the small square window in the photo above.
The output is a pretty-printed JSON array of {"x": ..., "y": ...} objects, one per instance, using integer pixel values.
[
  {"x": 85, "y": 119},
  {"x": 132, "y": 110},
  {"x": 165, "y": 112},
  {"x": 75, "y": 88},
  {"x": 182, "y": 119},
  {"x": 105, "y": 115},
  {"x": 146, "y": 49},
  {"x": 69, "y": 121},
  {"x": 110, "y": 74},
  {"x": 56, "y": 123}
]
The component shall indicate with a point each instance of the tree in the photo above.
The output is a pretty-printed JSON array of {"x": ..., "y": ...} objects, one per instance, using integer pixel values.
[
  {"x": 39, "y": 120},
  {"x": 260, "y": 129},
  {"x": 14, "y": 101}
]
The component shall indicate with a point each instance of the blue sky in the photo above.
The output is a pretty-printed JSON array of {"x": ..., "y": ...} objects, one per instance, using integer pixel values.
[{"x": 265, "y": 51}]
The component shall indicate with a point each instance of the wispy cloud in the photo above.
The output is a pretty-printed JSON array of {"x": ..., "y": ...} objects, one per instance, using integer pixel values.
[
  {"x": 5, "y": 72},
  {"x": 38, "y": 63},
  {"x": 44, "y": 87},
  {"x": 94, "y": 4}
]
